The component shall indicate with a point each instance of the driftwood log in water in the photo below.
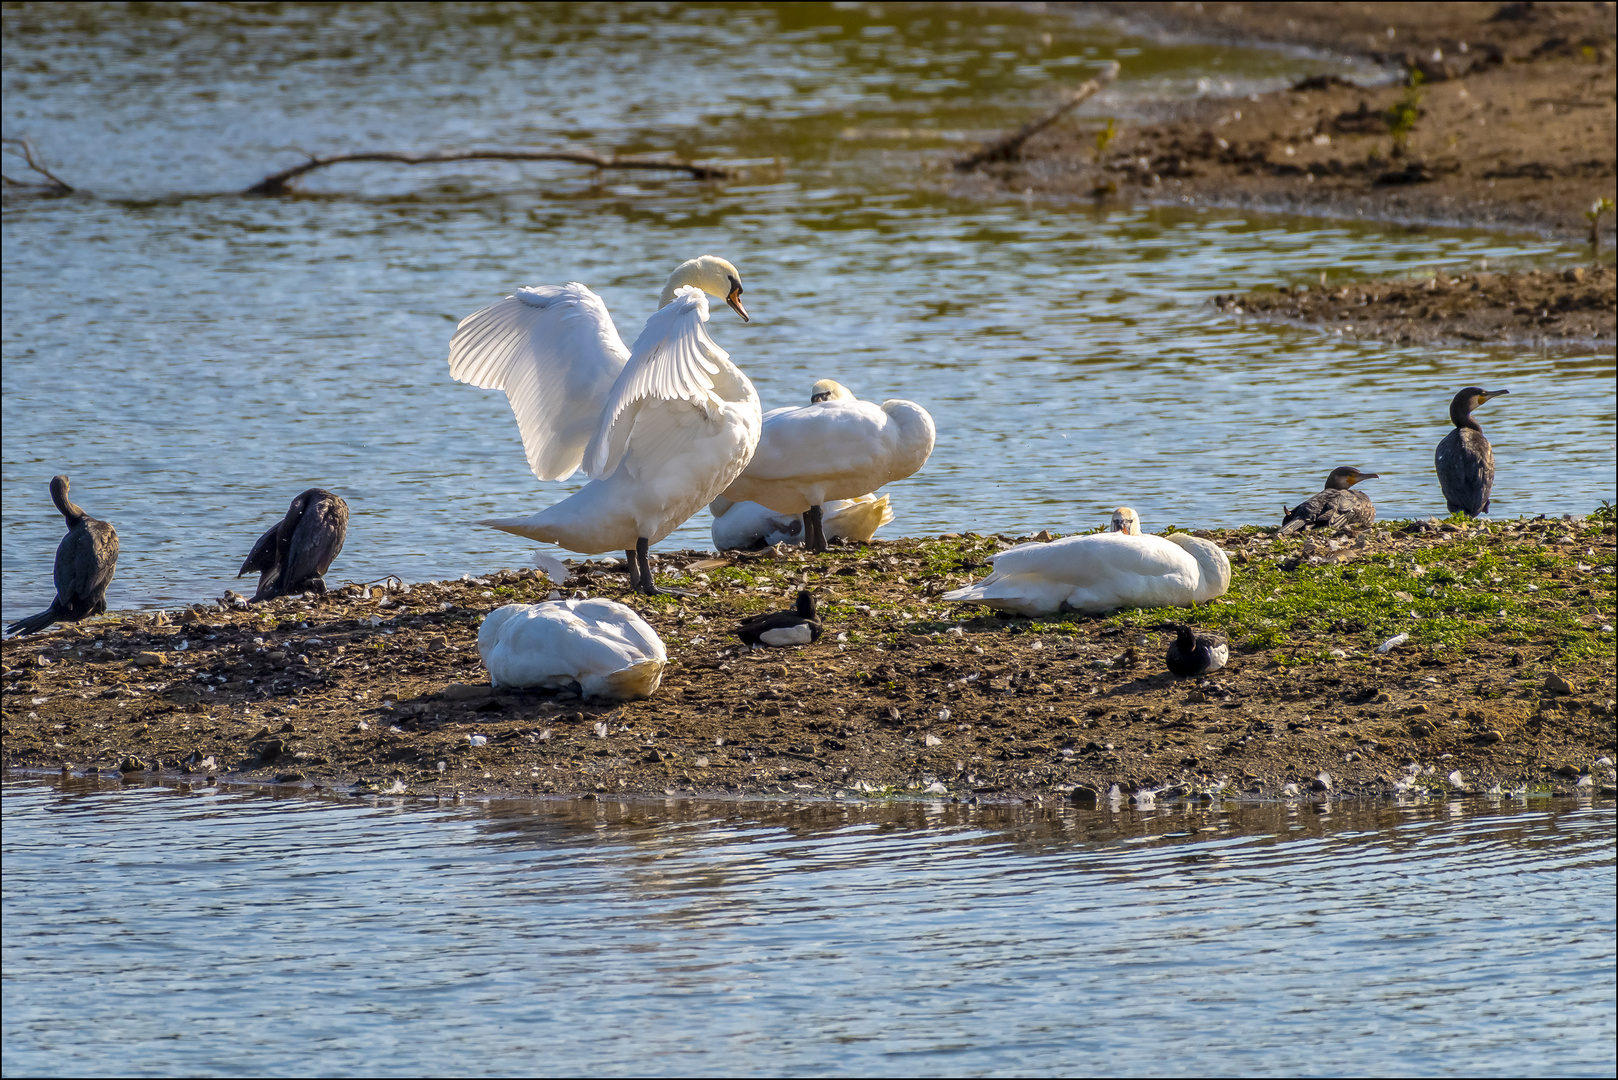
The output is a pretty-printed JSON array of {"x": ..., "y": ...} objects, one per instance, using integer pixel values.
[
  {"x": 24, "y": 148},
  {"x": 1010, "y": 147},
  {"x": 281, "y": 183}
]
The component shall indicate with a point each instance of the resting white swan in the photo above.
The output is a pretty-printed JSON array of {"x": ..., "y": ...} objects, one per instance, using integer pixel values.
[
  {"x": 1102, "y": 572},
  {"x": 662, "y": 428},
  {"x": 836, "y": 447},
  {"x": 746, "y": 526},
  {"x": 603, "y": 646}
]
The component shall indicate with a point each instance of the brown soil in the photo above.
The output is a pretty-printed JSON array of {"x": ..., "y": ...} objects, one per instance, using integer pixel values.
[
  {"x": 1576, "y": 305},
  {"x": 1518, "y": 129},
  {"x": 372, "y": 694}
]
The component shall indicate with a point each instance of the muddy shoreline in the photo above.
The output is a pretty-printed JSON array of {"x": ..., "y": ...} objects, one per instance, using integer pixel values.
[
  {"x": 1510, "y": 125},
  {"x": 1506, "y": 677}
]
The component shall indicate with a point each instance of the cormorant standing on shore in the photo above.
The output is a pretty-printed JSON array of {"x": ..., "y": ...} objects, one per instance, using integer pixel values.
[
  {"x": 85, "y": 561},
  {"x": 1336, "y": 506},
  {"x": 1464, "y": 461},
  {"x": 293, "y": 554}
]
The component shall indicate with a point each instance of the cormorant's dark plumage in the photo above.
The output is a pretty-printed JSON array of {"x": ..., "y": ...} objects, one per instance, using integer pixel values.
[
  {"x": 1338, "y": 505},
  {"x": 1192, "y": 654},
  {"x": 1465, "y": 461},
  {"x": 85, "y": 561},
  {"x": 294, "y": 554},
  {"x": 796, "y": 627}
]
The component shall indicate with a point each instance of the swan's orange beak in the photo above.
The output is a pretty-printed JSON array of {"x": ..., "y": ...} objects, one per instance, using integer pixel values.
[{"x": 735, "y": 301}]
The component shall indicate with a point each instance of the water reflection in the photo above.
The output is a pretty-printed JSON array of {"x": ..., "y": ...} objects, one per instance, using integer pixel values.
[{"x": 208, "y": 930}]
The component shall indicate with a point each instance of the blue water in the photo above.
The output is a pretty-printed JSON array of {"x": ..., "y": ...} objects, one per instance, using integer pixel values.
[{"x": 156, "y": 931}]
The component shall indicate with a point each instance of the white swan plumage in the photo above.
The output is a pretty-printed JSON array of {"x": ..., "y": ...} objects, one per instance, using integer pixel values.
[
  {"x": 1100, "y": 572},
  {"x": 662, "y": 428},
  {"x": 836, "y": 447},
  {"x": 603, "y": 646},
  {"x": 747, "y": 525}
]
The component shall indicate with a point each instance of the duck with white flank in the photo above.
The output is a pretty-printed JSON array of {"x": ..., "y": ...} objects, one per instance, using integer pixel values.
[
  {"x": 602, "y": 646},
  {"x": 1337, "y": 506},
  {"x": 1102, "y": 572},
  {"x": 836, "y": 447},
  {"x": 294, "y": 554},
  {"x": 747, "y": 526},
  {"x": 662, "y": 428},
  {"x": 85, "y": 561},
  {"x": 1465, "y": 461},
  {"x": 1192, "y": 654},
  {"x": 797, "y": 627}
]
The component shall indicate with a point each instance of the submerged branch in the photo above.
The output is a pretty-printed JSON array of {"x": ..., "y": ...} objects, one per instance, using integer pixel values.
[
  {"x": 1010, "y": 147},
  {"x": 25, "y": 149},
  {"x": 281, "y": 183}
]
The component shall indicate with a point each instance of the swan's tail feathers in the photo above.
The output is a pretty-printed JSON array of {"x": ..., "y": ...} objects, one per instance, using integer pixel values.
[
  {"x": 859, "y": 520},
  {"x": 34, "y": 623},
  {"x": 1022, "y": 594},
  {"x": 552, "y": 567},
  {"x": 523, "y": 526},
  {"x": 633, "y": 683}
]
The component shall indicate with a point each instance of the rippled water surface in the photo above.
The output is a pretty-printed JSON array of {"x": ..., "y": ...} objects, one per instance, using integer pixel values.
[
  {"x": 193, "y": 358},
  {"x": 154, "y": 930}
]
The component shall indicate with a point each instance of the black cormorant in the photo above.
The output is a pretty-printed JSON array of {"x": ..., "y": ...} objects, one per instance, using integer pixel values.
[
  {"x": 1336, "y": 506},
  {"x": 85, "y": 561},
  {"x": 1464, "y": 461},
  {"x": 796, "y": 627},
  {"x": 1192, "y": 654},
  {"x": 293, "y": 555}
]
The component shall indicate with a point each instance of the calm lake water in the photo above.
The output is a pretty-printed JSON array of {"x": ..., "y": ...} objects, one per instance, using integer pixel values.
[
  {"x": 160, "y": 931},
  {"x": 192, "y": 358}
]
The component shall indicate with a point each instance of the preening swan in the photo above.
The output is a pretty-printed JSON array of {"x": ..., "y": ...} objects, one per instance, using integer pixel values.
[
  {"x": 836, "y": 447},
  {"x": 1333, "y": 507},
  {"x": 1465, "y": 460},
  {"x": 294, "y": 554},
  {"x": 747, "y": 526},
  {"x": 85, "y": 561},
  {"x": 662, "y": 428},
  {"x": 1102, "y": 572},
  {"x": 603, "y": 646}
]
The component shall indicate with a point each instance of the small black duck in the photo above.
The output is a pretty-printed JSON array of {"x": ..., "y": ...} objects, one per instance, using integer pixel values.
[
  {"x": 85, "y": 561},
  {"x": 781, "y": 628},
  {"x": 1192, "y": 654}
]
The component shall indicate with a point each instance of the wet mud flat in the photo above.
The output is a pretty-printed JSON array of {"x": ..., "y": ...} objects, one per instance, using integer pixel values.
[
  {"x": 1574, "y": 306},
  {"x": 1505, "y": 677},
  {"x": 1505, "y": 118}
]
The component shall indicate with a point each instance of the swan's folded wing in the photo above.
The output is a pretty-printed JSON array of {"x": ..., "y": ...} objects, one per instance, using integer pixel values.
[
  {"x": 674, "y": 359},
  {"x": 555, "y": 352},
  {"x": 829, "y": 440}
]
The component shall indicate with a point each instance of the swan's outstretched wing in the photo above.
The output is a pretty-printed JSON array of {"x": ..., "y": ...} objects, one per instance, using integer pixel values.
[
  {"x": 555, "y": 352},
  {"x": 674, "y": 359}
]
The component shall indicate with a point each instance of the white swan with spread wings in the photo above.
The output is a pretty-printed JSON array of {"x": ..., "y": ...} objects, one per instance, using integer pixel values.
[{"x": 662, "y": 428}]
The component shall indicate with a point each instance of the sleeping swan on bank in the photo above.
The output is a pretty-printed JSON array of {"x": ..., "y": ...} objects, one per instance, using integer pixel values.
[
  {"x": 1102, "y": 572},
  {"x": 661, "y": 428},
  {"x": 603, "y": 646},
  {"x": 836, "y": 447},
  {"x": 747, "y": 526}
]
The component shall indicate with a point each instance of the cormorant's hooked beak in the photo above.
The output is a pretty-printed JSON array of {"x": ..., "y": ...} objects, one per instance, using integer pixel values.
[
  {"x": 1358, "y": 476},
  {"x": 1488, "y": 394},
  {"x": 734, "y": 299}
]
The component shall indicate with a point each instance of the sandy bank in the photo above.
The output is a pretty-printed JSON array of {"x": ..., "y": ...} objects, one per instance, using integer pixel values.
[{"x": 1507, "y": 676}]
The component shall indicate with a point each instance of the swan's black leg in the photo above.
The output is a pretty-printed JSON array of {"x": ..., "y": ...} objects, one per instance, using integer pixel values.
[
  {"x": 814, "y": 532},
  {"x": 647, "y": 585},
  {"x": 634, "y": 569}
]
